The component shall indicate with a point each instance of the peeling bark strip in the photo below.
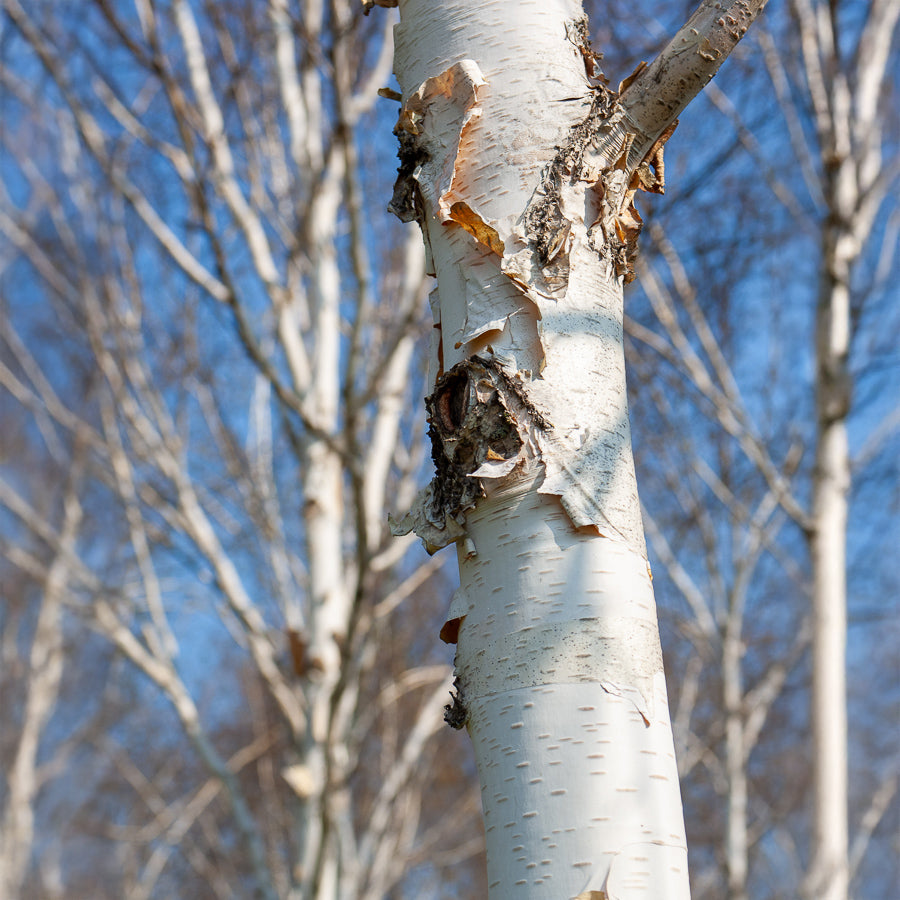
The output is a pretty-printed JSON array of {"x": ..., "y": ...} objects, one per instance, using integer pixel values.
[{"x": 521, "y": 166}]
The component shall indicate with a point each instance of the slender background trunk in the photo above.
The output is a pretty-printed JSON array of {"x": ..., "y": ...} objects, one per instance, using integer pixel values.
[{"x": 844, "y": 80}]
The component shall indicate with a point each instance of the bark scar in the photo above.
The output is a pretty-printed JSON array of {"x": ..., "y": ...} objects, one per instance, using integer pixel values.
[
  {"x": 471, "y": 421},
  {"x": 455, "y": 712},
  {"x": 480, "y": 419}
]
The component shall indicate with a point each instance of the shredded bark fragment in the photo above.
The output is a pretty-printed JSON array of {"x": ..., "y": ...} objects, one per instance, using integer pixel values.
[
  {"x": 369, "y": 5},
  {"x": 620, "y": 221},
  {"x": 450, "y": 630},
  {"x": 651, "y": 173},
  {"x": 625, "y": 83},
  {"x": 455, "y": 712},
  {"x": 406, "y": 201},
  {"x": 544, "y": 220},
  {"x": 577, "y": 32},
  {"x": 467, "y": 218}
]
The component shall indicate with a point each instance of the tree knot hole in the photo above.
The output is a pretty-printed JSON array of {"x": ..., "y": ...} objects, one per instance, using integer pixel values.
[{"x": 453, "y": 402}]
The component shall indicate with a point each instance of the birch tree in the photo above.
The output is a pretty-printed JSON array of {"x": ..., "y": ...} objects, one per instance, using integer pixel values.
[
  {"x": 844, "y": 87},
  {"x": 521, "y": 166},
  {"x": 123, "y": 360}
]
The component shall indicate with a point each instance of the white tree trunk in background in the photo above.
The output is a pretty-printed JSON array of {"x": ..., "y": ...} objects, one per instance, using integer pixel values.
[
  {"x": 44, "y": 680},
  {"x": 521, "y": 166},
  {"x": 844, "y": 88}
]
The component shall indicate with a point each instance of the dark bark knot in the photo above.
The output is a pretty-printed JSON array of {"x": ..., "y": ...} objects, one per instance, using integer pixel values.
[
  {"x": 476, "y": 414},
  {"x": 455, "y": 712}
]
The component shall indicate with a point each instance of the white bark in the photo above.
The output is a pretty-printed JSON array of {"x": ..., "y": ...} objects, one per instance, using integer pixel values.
[
  {"x": 736, "y": 839},
  {"x": 521, "y": 169},
  {"x": 829, "y": 687},
  {"x": 561, "y": 671}
]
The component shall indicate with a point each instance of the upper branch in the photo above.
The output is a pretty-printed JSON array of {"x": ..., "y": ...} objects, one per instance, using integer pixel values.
[{"x": 662, "y": 90}]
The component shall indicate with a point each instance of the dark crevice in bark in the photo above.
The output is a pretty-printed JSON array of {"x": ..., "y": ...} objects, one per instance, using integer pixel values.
[
  {"x": 455, "y": 712},
  {"x": 544, "y": 220},
  {"x": 477, "y": 413}
]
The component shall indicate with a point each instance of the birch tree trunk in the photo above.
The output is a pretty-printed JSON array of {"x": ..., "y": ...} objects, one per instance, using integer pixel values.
[
  {"x": 845, "y": 89},
  {"x": 44, "y": 678},
  {"x": 521, "y": 166}
]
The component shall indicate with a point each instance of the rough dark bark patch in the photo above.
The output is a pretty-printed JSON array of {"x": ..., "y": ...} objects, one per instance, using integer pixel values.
[
  {"x": 406, "y": 203},
  {"x": 545, "y": 223},
  {"x": 619, "y": 221},
  {"x": 468, "y": 424},
  {"x": 455, "y": 712},
  {"x": 477, "y": 413}
]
